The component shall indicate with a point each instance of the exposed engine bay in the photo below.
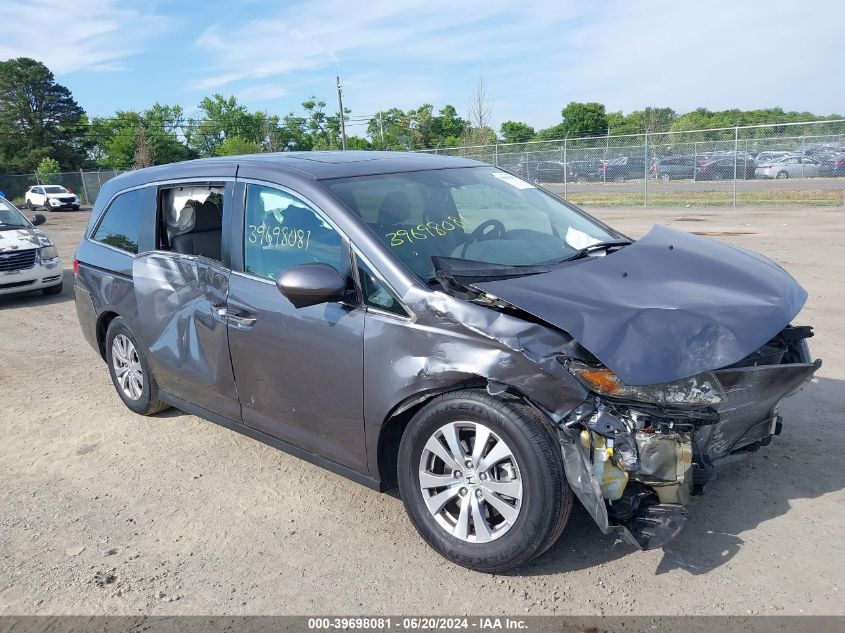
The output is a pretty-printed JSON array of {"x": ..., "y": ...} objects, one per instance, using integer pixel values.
[{"x": 651, "y": 461}]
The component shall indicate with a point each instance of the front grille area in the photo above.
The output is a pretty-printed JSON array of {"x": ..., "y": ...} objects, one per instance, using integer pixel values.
[
  {"x": 752, "y": 393},
  {"x": 17, "y": 284},
  {"x": 17, "y": 260}
]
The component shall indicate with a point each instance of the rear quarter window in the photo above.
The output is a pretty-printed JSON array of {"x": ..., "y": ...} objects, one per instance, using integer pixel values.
[{"x": 121, "y": 224}]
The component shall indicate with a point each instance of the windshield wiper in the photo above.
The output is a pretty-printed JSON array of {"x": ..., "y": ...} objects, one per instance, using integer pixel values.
[
  {"x": 598, "y": 246},
  {"x": 13, "y": 225}
]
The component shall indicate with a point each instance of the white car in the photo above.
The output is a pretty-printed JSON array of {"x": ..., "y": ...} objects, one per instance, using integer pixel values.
[
  {"x": 51, "y": 197},
  {"x": 768, "y": 157},
  {"x": 28, "y": 258},
  {"x": 789, "y": 167}
]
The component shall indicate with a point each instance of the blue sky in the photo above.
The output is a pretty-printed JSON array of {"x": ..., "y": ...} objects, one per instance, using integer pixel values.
[{"x": 535, "y": 56}]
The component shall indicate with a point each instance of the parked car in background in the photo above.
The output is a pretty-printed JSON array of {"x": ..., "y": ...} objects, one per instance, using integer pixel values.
[
  {"x": 833, "y": 166},
  {"x": 546, "y": 171},
  {"x": 674, "y": 167},
  {"x": 722, "y": 168},
  {"x": 767, "y": 157},
  {"x": 788, "y": 167},
  {"x": 28, "y": 258},
  {"x": 541, "y": 171},
  {"x": 622, "y": 169},
  {"x": 51, "y": 197},
  {"x": 582, "y": 170}
]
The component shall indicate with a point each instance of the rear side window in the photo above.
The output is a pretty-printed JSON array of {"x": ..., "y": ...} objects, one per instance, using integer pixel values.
[{"x": 121, "y": 223}]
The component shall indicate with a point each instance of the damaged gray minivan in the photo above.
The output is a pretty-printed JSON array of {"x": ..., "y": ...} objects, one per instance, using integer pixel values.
[{"x": 441, "y": 324}]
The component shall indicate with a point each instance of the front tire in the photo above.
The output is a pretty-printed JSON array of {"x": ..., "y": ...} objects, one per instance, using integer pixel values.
[
  {"x": 129, "y": 370},
  {"x": 782, "y": 175},
  {"x": 482, "y": 480}
]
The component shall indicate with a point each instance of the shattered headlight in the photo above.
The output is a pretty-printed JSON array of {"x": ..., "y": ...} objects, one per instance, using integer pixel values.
[
  {"x": 702, "y": 388},
  {"x": 49, "y": 252}
]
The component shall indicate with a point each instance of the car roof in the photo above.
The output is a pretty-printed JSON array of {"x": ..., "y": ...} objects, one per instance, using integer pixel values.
[{"x": 318, "y": 165}]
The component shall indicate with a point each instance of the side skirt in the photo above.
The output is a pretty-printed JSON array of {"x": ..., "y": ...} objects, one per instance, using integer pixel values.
[{"x": 344, "y": 471}]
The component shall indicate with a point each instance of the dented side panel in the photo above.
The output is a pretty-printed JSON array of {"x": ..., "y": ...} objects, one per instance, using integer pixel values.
[
  {"x": 180, "y": 330},
  {"x": 450, "y": 342}
]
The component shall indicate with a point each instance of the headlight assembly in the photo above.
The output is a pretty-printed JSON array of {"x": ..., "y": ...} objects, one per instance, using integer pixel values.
[
  {"x": 700, "y": 389},
  {"x": 49, "y": 252}
]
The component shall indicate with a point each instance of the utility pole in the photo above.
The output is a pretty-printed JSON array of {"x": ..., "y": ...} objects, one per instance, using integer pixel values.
[
  {"x": 342, "y": 117},
  {"x": 381, "y": 127}
]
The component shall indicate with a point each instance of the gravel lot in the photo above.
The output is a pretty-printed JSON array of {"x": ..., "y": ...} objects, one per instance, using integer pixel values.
[{"x": 106, "y": 512}]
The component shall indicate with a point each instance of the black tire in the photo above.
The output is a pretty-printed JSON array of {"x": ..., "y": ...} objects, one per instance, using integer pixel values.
[
  {"x": 665, "y": 176},
  {"x": 782, "y": 175},
  {"x": 76, "y": 207},
  {"x": 620, "y": 178},
  {"x": 148, "y": 403},
  {"x": 53, "y": 290},
  {"x": 547, "y": 499}
]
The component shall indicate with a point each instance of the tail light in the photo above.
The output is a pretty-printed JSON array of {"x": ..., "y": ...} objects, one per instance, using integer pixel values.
[
  {"x": 764, "y": 166},
  {"x": 838, "y": 163},
  {"x": 75, "y": 266}
]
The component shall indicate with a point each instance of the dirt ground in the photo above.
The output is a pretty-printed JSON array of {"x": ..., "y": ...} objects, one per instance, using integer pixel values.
[{"x": 106, "y": 512}]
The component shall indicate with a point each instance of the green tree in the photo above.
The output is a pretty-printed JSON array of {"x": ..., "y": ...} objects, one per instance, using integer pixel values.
[
  {"x": 651, "y": 119},
  {"x": 448, "y": 127},
  {"x": 584, "y": 119},
  {"x": 555, "y": 132},
  {"x": 358, "y": 142},
  {"x": 236, "y": 145},
  {"x": 516, "y": 132},
  {"x": 221, "y": 117},
  {"x": 116, "y": 140},
  {"x": 48, "y": 172},
  {"x": 323, "y": 128},
  {"x": 38, "y": 118}
]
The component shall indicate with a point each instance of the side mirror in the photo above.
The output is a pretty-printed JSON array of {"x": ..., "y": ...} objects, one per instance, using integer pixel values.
[
  {"x": 311, "y": 284},
  {"x": 38, "y": 219}
]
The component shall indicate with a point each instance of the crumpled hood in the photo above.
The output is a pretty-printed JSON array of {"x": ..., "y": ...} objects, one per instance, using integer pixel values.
[
  {"x": 21, "y": 239},
  {"x": 666, "y": 307}
]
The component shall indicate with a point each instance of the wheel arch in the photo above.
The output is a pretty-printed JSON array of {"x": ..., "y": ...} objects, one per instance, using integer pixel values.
[
  {"x": 394, "y": 425},
  {"x": 103, "y": 321}
]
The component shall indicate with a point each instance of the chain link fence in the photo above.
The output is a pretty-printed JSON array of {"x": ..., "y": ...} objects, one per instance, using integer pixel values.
[
  {"x": 85, "y": 184},
  {"x": 778, "y": 164}
]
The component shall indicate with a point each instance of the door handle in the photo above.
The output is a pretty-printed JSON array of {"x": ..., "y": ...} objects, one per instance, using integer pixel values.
[{"x": 237, "y": 320}]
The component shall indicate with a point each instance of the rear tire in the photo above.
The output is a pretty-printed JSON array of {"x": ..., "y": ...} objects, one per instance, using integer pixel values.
[
  {"x": 523, "y": 478},
  {"x": 665, "y": 176},
  {"x": 141, "y": 399},
  {"x": 782, "y": 175}
]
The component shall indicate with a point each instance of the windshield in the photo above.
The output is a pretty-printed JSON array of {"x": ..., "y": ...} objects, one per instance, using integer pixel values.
[
  {"x": 10, "y": 216},
  {"x": 55, "y": 189},
  {"x": 478, "y": 213}
]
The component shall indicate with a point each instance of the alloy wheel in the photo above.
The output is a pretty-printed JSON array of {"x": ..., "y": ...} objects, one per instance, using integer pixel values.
[
  {"x": 127, "y": 367},
  {"x": 470, "y": 481}
]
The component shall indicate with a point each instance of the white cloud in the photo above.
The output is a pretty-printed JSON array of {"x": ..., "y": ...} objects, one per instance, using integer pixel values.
[
  {"x": 538, "y": 55},
  {"x": 74, "y": 35}
]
